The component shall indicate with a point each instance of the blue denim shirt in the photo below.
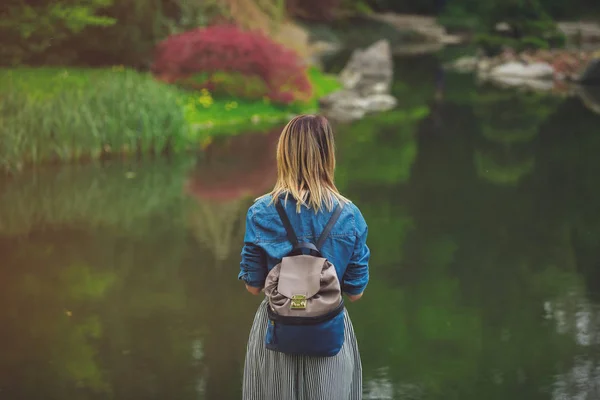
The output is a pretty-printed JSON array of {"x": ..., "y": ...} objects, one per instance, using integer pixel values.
[{"x": 266, "y": 243}]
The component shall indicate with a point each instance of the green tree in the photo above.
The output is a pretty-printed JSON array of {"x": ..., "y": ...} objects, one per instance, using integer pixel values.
[
  {"x": 28, "y": 31},
  {"x": 529, "y": 26}
]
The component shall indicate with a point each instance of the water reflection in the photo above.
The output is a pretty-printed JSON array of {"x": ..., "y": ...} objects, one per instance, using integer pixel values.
[
  {"x": 118, "y": 280},
  {"x": 231, "y": 172}
]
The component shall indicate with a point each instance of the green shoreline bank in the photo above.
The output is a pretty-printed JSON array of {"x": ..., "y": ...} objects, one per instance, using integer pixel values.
[{"x": 66, "y": 114}]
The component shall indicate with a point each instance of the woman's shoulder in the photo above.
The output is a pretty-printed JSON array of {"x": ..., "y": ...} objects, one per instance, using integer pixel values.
[
  {"x": 261, "y": 206},
  {"x": 264, "y": 205},
  {"x": 352, "y": 209},
  {"x": 261, "y": 203}
]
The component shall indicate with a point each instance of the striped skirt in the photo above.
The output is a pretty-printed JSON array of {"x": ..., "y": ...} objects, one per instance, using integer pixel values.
[{"x": 269, "y": 375}]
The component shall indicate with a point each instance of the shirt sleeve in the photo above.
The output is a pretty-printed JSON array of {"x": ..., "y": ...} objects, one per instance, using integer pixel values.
[
  {"x": 357, "y": 274},
  {"x": 253, "y": 268}
]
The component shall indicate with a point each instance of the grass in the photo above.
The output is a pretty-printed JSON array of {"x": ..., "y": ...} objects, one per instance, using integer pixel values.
[{"x": 57, "y": 114}]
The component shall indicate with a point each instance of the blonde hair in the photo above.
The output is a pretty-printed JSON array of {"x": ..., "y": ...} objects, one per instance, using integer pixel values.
[{"x": 306, "y": 164}]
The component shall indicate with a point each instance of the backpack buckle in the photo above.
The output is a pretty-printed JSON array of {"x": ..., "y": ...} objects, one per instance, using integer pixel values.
[{"x": 298, "y": 302}]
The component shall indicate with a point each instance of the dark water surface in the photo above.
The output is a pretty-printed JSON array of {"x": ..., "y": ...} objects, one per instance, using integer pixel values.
[{"x": 119, "y": 281}]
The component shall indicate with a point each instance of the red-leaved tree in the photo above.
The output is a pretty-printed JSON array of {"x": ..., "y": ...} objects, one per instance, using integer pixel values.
[{"x": 231, "y": 50}]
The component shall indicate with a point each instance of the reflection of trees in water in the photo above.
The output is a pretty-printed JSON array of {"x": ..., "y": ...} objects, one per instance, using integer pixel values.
[
  {"x": 219, "y": 226},
  {"x": 459, "y": 309},
  {"x": 509, "y": 121},
  {"x": 578, "y": 319},
  {"x": 503, "y": 167},
  {"x": 581, "y": 382},
  {"x": 50, "y": 325},
  {"x": 115, "y": 195},
  {"x": 567, "y": 190},
  {"x": 230, "y": 173},
  {"x": 379, "y": 149},
  {"x": 114, "y": 321}
]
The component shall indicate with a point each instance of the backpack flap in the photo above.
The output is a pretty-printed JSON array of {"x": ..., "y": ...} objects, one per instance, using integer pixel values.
[{"x": 300, "y": 276}]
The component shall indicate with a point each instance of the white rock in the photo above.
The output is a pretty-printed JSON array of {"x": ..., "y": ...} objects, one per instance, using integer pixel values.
[
  {"x": 532, "y": 71},
  {"x": 511, "y": 81},
  {"x": 379, "y": 103},
  {"x": 369, "y": 71},
  {"x": 344, "y": 106}
]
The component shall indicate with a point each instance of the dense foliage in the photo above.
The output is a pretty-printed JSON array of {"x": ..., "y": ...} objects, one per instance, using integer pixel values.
[
  {"x": 108, "y": 32},
  {"x": 528, "y": 26},
  {"x": 31, "y": 31},
  {"x": 229, "y": 49}
]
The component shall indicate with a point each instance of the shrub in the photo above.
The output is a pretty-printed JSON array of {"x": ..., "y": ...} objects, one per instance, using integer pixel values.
[{"x": 228, "y": 49}]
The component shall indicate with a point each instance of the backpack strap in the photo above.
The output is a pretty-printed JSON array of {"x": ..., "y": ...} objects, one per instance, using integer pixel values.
[
  {"x": 286, "y": 224},
  {"x": 305, "y": 245},
  {"x": 290, "y": 231},
  {"x": 330, "y": 224}
]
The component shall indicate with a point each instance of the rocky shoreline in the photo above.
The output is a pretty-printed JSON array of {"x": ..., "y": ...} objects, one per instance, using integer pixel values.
[
  {"x": 546, "y": 65},
  {"x": 562, "y": 72}
]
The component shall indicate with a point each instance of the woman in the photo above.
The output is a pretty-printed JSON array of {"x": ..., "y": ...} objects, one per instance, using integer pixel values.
[{"x": 305, "y": 185}]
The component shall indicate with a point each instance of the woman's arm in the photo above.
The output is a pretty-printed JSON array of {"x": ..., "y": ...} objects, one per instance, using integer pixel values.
[
  {"x": 355, "y": 297},
  {"x": 357, "y": 274},
  {"x": 253, "y": 290},
  {"x": 253, "y": 267}
]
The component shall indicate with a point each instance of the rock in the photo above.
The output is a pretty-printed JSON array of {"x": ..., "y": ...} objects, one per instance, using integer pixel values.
[
  {"x": 379, "y": 103},
  {"x": 590, "y": 96},
  {"x": 343, "y": 106},
  {"x": 538, "y": 70},
  {"x": 484, "y": 65},
  {"x": 464, "y": 64},
  {"x": 533, "y": 84},
  {"x": 367, "y": 80},
  {"x": 590, "y": 73},
  {"x": 369, "y": 71},
  {"x": 502, "y": 27},
  {"x": 348, "y": 101}
]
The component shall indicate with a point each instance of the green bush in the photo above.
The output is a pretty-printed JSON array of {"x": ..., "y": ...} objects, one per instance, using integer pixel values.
[{"x": 493, "y": 44}]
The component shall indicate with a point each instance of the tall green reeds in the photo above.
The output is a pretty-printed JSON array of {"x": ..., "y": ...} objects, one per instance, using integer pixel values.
[{"x": 56, "y": 115}]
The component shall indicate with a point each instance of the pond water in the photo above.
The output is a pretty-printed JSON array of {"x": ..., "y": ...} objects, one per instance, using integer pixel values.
[{"x": 118, "y": 281}]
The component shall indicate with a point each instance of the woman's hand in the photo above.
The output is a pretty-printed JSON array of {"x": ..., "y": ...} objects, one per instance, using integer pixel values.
[
  {"x": 354, "y": 297},
  {"x": 254, "y": 290}
]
